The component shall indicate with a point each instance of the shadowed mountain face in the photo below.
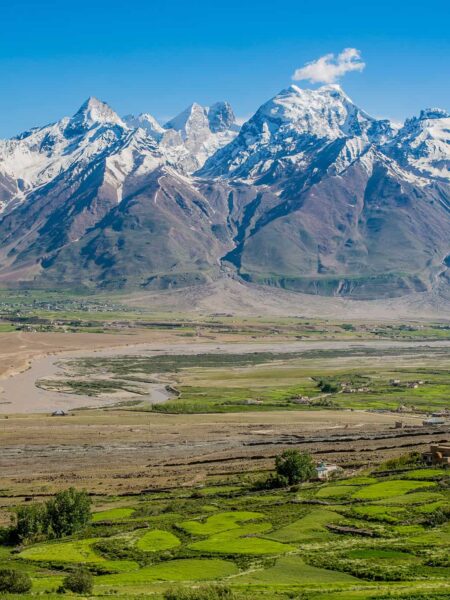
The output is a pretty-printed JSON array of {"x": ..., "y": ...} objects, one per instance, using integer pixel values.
[{"x": 312, "y": 194}]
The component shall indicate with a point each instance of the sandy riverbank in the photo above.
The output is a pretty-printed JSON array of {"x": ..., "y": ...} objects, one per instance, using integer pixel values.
[{"x": 18, "y": 349}]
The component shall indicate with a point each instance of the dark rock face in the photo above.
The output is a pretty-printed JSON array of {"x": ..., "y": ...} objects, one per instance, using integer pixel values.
[{"x": 312, "y": 195}]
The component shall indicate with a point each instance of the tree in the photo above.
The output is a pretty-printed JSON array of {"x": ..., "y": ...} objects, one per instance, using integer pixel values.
[
  {"x": 79, "y": 582},
  {"x": 14, "y": 582},
  {"x": 295, "y": 466},
  {"x": 328, "y": 387},
  {"x": 31, "y": 523},
  {"x": 67, "y": 512}
]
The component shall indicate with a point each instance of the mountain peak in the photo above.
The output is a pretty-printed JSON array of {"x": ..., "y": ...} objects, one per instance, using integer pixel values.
[
  {"x": 194, "y": 114},
  {"x": 331, "y": 88},
  {"x": 423, "y": 143},
  {"x": 221, "y": 117},
  {"x": 92, "y": 112},
  {"x": 291, "y": 126},
  {"x": 325, "y": 112},
  {"x": 433, "y": 113},
  {"x": 147, "y": 122},
  {"x": 217, "y": 118}
]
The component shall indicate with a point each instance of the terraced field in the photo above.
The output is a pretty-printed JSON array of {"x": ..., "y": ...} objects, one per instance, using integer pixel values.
[{"x": 369, "y": 536}]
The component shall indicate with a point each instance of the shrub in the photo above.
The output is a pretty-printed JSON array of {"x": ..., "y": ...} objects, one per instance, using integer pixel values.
[
  {"x": 295, "y": 466},
  {"x": 276, "y": 481},
  {"x": 324, "y": 402},
  {"x": 79, "y": 582},
  {"x": 412, "y": 459},
  {"x": 438, "y": 517},
  {"x": 212, "y": 592},
  {"x": 14, "y": 582}
]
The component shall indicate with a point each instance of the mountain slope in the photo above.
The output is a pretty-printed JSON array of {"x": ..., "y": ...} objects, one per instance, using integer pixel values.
[{"x": 158, "y": 236}]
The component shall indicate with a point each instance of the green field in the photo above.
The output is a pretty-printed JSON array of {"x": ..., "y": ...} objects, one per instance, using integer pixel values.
[
  {"x": 157, "y": 541},
  {"x": 220, "y": 522},
  {"x": 390, "y": 489},
  {"x": 113, "y": 514},
  {"x": 345, "y": 539}
]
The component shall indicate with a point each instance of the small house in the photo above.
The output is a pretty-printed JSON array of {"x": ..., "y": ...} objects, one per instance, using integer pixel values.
[
  {"x": 302, "y": 400},
  {"x": 59, "y": 413},
  {"x": 438, "y": 455},
  {"x": 325, "y": 471},
  {"x": 434, "y": 421}
]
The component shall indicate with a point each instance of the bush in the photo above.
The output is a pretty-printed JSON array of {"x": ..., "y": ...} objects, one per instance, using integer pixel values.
[
  {"x": 405, "y": 461},
  {"x": 14, "y": 582},
  {"x": 79, "y": 582},
  {"x": 438, "y": 517},
  {"x": 295, "y": 466},
  {"x": 276, "y": 481},
  {"x": 212, "y": 592}
]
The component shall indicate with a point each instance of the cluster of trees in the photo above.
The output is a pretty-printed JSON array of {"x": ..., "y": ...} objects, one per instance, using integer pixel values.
[
  {"x": 328, "y": 386},
  {"x": 291, "y": 467},
  {"x": 64, "y": 514},
  {"x": 295, "y": 467}
]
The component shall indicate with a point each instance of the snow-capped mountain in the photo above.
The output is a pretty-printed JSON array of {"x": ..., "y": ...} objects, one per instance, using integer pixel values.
[
  {"x": 197, "y": 133},
  {"x": 312, "y": 194},
  {"x": 423, "y": 143},
  {"x": 147, "y": 122},
  {"x": 37, "y": 157},
  {"x": 290, "y": 129}
]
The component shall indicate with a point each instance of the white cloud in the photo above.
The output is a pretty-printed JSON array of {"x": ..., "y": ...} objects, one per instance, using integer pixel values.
[{"x": 329, "y": 68}]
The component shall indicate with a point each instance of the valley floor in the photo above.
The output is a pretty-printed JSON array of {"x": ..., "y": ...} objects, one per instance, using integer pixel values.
[{"x": 173, "y": 482}]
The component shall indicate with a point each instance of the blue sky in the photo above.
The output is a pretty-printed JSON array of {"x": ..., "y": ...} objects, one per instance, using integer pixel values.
[{"x": 158, "y": 57}]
